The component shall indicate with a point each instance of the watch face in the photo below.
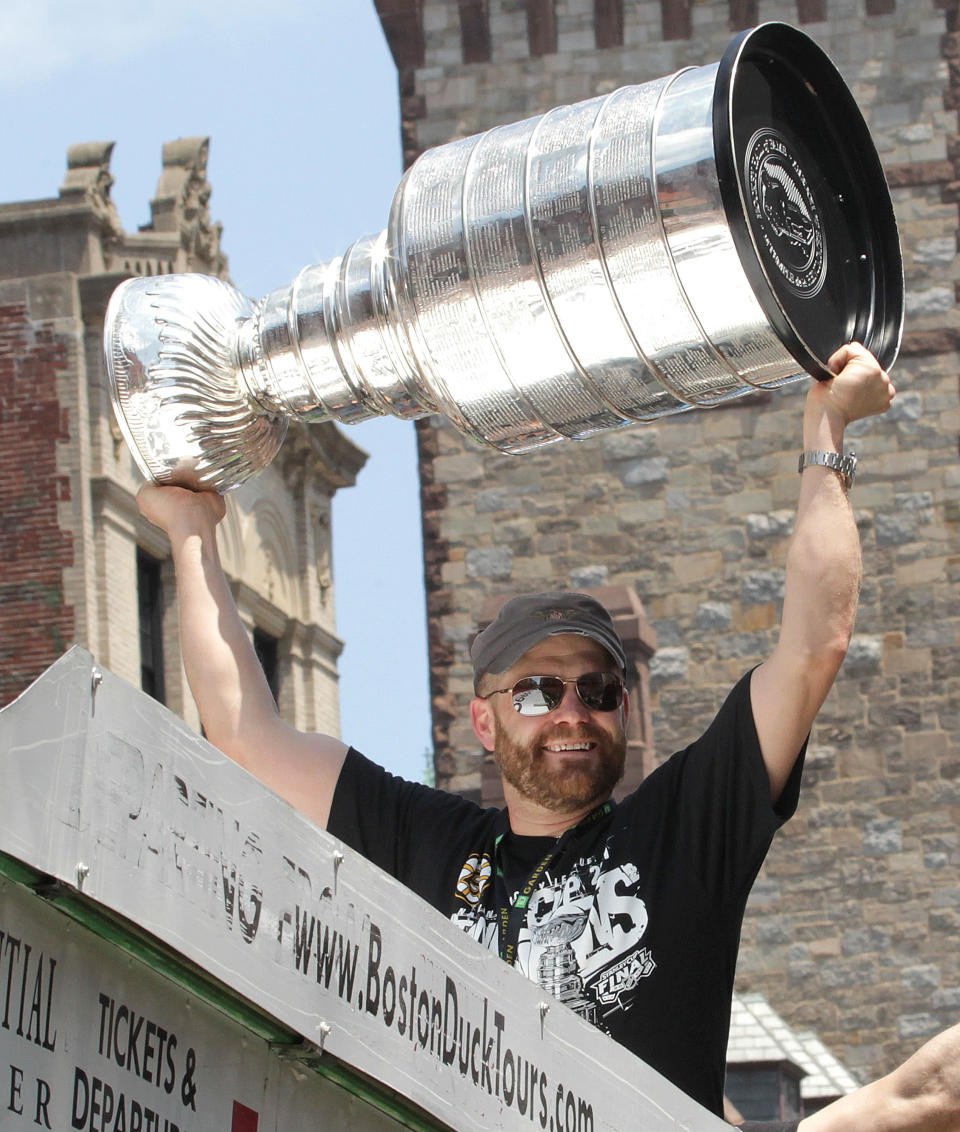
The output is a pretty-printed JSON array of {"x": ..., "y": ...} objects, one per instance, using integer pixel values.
[{"x": 850, "y": 468}]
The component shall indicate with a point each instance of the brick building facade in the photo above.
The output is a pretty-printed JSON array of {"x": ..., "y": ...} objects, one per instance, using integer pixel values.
[
  {"x": 853, "y": 924},
  {"x": 80, "y": 565}
]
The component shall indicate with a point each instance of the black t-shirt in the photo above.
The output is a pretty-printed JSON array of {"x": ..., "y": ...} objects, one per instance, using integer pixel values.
[{"x": 636, "y": 924}]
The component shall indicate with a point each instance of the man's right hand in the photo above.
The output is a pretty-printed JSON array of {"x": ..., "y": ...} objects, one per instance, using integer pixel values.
[{"x": 177, "y": 509}]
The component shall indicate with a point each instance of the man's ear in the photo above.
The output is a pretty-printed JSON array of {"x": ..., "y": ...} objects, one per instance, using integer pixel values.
[{"x": 481, "y": 716}]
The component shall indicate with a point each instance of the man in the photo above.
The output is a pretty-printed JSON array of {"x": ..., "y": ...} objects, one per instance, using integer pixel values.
[
  {"x": 630, "y": 914},
  {"x": 921, "y": 1095}
]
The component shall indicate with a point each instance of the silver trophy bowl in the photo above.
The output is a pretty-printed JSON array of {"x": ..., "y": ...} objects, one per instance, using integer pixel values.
[{"x": 670, "y": 245}]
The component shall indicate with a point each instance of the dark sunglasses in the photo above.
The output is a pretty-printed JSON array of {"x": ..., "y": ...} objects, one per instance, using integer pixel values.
[{"x": 538, "y": 695}]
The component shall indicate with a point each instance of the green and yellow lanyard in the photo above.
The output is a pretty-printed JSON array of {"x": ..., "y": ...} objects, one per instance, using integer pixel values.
[{"x": 512, "y": 913}]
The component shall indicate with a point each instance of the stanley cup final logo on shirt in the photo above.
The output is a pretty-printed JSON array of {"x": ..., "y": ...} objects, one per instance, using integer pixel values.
[
  {"x": 600, "y": 899},
  {"x": 582, "y": 932}
]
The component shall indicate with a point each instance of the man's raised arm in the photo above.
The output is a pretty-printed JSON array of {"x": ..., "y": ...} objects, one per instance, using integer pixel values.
[
  {"x": 823, "y": 569},
  {"x": 921, "y": 1095},
  {"x": 236, "y": 706}
]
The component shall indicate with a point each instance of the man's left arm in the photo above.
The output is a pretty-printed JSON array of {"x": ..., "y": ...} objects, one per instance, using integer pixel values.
[
  {"x": 823, "y": 569},
  {"x": 921, "y": 1095}
]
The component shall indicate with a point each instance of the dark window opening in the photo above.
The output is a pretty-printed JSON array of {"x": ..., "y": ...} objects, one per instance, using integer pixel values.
[
  {"x": 765, "y": 1091},
  {"x": 265, "y": 647},
  {"x": 150, "y": 603}
]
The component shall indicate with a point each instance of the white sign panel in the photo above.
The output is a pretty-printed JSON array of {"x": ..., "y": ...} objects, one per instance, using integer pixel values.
[
  {"x": 117, "y": 797},
  {"x": 92, "y": 1040}
]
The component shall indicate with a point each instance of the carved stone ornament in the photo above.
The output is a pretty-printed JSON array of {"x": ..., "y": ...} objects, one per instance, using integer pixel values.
[
  {"x": 89, "y": 178},
  {"x": 182, "y": 203}
]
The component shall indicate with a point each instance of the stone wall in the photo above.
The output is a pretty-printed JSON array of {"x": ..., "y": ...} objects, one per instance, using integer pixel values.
[{"x": 853, "y": 925}]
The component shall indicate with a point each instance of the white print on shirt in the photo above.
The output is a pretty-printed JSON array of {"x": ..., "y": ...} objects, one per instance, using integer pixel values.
[{"x": 581, "y": 937}]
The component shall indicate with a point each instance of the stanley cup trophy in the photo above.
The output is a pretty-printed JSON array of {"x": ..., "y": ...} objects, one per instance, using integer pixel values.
[{"x": 667, "y": 246}]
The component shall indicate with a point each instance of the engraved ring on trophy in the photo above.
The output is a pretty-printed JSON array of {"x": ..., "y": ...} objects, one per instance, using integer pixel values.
[{"x": 670, "y": 245}]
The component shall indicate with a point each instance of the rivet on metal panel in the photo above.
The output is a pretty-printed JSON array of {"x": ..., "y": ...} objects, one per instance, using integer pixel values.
[
  {"x": 83, "y": 871},
  {"x": 96, "y": 679}
]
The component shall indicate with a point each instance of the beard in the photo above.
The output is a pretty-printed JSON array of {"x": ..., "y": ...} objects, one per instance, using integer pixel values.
[{"x": 580, "y": 781}]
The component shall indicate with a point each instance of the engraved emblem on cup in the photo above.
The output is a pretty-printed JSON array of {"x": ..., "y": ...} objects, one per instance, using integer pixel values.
[
  {"x": 668, "y": 246},
  {"x": 784, "y": 206}
]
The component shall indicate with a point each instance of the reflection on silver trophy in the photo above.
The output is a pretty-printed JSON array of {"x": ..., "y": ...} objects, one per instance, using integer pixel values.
[{"x": 670, "y": 245}]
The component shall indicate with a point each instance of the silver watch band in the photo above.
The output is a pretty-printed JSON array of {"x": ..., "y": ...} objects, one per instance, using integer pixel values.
[{"x": 845, "y": 466}]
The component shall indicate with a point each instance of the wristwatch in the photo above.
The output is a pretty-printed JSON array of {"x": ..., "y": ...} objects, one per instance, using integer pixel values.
[{"x": 844, "y": 466}]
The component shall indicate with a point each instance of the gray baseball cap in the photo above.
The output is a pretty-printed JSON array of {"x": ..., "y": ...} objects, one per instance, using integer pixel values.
[{"x": 525, "y": 621}]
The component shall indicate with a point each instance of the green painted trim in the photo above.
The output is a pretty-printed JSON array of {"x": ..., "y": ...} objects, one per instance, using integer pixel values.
[
  {"x": 17, "y": 871},
  {"x": 134, "y": 941},
  {"x": 375, "y": 1093},
  {"x": 130, "y": 939}
]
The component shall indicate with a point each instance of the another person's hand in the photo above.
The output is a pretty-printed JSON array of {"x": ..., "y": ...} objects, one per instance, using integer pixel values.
[
  {"x": 177, "y": 509},
  {"x": 861, "y": 388}
]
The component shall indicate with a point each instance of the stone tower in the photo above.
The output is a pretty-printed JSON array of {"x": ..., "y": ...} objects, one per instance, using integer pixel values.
[
  {"x": 853, "y": 924},
  {"x": 80, "y": 565}
]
